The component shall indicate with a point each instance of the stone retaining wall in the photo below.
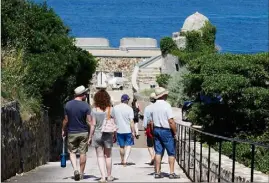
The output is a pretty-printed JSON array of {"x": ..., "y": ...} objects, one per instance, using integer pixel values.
[
  {"x": 242, "y": 173},
  {"x": 25, "y": 144}
]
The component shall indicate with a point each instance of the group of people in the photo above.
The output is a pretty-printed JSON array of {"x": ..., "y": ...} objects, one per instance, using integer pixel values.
[{"x": 104, "y": 124}]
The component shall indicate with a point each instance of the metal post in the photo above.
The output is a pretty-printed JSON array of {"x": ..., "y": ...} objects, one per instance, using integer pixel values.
[
  {"x": 220, "y": 146},
  {"x": 184, "y": 147},
  {"x": 177, "y": 143},
  {"x": 252, "y": 162},
  {"x": 181, "y": 136},
  {"x": 233, "y": 168},
  {"x": 208, "y": 163},
  {"x": 194, "y": 157},
  {"x": 201, "y": 159},
  {"x": 189, "y": 150}
]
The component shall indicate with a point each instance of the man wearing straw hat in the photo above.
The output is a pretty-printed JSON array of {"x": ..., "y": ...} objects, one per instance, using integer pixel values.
[
  {"x": 76, "y": 114},
  {"x": 164, "y": 132}
]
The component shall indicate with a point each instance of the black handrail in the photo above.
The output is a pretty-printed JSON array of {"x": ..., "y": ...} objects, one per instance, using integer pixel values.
[{"x": 188, "y": 161}]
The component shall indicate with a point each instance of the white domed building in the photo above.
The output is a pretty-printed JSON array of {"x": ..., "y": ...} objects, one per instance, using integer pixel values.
[{"x": 193, "y": 22}]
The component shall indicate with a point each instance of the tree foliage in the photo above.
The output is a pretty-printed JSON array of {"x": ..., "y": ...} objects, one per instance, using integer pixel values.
[
  {"x": 55, "y": 65},
  {"x": 198, "y": 43},
  {"x": 162, "y": 80},
  {"x": 167, "y": 45},
  {"x": 241, "y": 80},
  {"x": 243, "y": 85}
]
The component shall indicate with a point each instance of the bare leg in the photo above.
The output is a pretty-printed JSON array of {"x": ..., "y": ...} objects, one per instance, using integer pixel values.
[
  {"x": 108, "y": 160},
  {"x": 171, "y": 160},
  {"x": 127, "y": 153},
  {"x": 83, "y": 158},
  {"x": 136, "y": 129},
  {"x": 157, "y": 163},
  {"x": 151, "y": 153},
  {"x": 122, "y": 152},
  {"x": 101, "y": 161},
  {"x": 73, "y": 159}
]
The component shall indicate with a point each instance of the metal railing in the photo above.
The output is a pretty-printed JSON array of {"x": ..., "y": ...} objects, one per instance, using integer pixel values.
[{"x": 189, "y": 147}]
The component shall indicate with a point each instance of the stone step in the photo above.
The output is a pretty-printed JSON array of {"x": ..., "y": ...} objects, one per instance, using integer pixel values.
[
  {"x": 147, "y": 74},
  {"x": 143, "y": 76}
]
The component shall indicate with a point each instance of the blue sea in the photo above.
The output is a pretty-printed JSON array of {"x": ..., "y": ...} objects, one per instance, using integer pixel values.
[{"x": 242, "y": 25}]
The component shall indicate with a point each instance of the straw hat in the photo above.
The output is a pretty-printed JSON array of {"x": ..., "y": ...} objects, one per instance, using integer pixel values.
[
  {"x": 80, "y": 90},
  {"x": 152, "y": 96},
  {"x": 160, "y": 91}
]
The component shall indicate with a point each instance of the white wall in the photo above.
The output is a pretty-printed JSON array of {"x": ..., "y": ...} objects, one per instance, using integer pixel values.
[
  {"x": 138, "y": 42},
  {"x": 92, "y": 42}
]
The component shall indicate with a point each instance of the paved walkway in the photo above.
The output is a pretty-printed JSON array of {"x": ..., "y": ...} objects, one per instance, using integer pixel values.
[{"x": 139, "y": 171}]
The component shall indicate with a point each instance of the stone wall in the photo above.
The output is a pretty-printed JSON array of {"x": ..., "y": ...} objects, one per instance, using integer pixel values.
[
  {"x": 242, "y": 173},
  {"x": 116, "y": 64},
  {"x": 25, "y": 144}
]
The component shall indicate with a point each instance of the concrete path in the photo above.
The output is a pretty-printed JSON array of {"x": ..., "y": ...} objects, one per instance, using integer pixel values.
[{"x": 139, "y": 172}]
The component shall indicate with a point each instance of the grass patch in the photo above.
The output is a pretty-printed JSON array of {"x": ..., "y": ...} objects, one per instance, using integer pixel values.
[
  {"x": 13, "y": 72},
  {"x": 147, "y": 92}
]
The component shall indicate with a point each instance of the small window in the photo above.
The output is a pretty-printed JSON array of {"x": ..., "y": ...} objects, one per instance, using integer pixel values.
[
  {"x": 152, "y": 86},
  {"x": 117, "y": 74},
  {"x": 177, "y": 68}
]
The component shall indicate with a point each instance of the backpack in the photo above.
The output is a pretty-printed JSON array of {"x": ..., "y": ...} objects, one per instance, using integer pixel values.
[{"x": 109, "y": 123}]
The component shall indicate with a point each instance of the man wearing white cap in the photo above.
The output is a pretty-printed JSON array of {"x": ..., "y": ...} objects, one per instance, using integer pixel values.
[
  {"x": 76, "y": 114},
  {"x": 147, "y": 123},
  {"x": 164, "y": 132}
]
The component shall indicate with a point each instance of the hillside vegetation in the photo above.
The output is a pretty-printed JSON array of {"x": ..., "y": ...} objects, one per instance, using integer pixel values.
[
  {"x": 41, "y": 66},
  {"x": 242, "y": 80}
]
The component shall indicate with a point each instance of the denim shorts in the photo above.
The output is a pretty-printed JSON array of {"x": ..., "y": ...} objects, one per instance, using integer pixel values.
[
  {"x": 125, "y": 139},
  {"x": 163, "y": 139},
  {"x": 102, "y": 139}
]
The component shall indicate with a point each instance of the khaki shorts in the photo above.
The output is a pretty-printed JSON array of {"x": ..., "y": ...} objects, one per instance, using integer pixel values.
[{"x": 78, "y": 142}]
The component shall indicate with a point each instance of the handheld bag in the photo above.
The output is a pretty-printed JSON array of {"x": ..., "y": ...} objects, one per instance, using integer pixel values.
[
  {"x": 109, "y": 124},
  {"x": 63, "y": 155}
]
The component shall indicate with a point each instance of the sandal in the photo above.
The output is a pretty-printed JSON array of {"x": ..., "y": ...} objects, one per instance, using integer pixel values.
[
  {"x": 158, "y": 176},
  {"x": 102, "y": 181},
  {"x": 152, "y": 162},
  {"x": 110, "y": 178},
  {"x": 174, "y": 176},
  {"x": 76, "y": 175}
]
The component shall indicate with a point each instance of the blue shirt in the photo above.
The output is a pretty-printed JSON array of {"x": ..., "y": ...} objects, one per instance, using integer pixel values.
[
  {"x": 147, "y": 117},
  {"x": 77, "y": 112}
]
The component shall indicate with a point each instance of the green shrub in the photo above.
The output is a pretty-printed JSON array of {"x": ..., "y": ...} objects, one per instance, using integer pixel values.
[
  {"x": 162, "y": 80},
  {"x": 202, "y": 40},
  {"x": 167, "y": 45},
  {"x": 175, "y": 87},
  {"x": 13, "y": 71},
  {"x": 243, "y": 152}
]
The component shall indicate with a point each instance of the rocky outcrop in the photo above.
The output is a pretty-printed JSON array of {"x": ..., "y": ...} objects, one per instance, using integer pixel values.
[
  {"x": 25, "y": 144},
  {"x": 193, "y": 22}
]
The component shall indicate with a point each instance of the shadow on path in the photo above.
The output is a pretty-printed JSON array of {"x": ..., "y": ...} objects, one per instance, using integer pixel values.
[{"x": 128, "y": 164}]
